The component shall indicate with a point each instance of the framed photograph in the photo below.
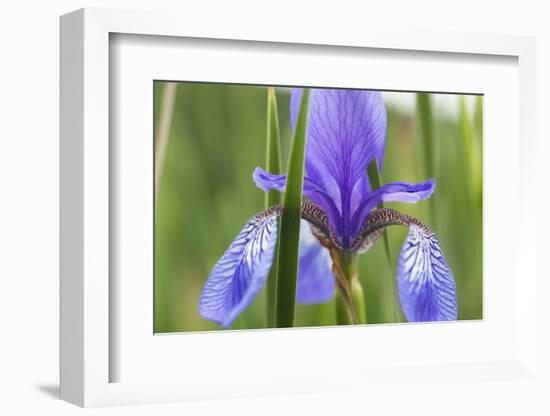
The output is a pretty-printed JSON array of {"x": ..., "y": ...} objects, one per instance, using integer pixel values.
[
  {"x": 280, "y": 213},
  {"x": 213, "y": 150}
]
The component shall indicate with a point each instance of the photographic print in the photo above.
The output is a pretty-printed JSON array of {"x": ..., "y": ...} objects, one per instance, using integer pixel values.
[{"x": 281, "y": 207}]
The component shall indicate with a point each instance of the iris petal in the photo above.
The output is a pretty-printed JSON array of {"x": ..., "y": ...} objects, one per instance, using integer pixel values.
[
  {"x": 391, "y": 192},
  {"x": 315, "y": 279},
  {"x": 346, "y": 131},
  {"x": 241, "y": 272},
  {"x": 267, "y": 181},
  {"x": 426, "y": 286}
]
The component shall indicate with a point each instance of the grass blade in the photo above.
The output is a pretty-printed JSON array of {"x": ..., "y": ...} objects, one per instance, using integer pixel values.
[
  {"x": 471, "y": 156},
  {"x": 478, "y": 114},
  {"x": 424, "y": 108},
  {"x": 478, "y": 164},
  {"x": 427, "y": 144},
  {"x": 163, "y": 130},
  {"x": 289, "y": 236},
  {"x": 375, "y": 183},
  {"x": 273, "y": 165}
]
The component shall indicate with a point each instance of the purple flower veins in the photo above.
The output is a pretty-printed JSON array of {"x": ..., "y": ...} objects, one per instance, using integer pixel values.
[{"x": 346, "y": 132}]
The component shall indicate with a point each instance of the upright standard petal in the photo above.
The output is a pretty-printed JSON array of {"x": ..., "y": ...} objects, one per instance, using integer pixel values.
[
  {"x": 315, "y": 279},
  {"x": 241, "y": 272},
  {"x": 347, "y": 130},
  {"x": 426, "y": 286}
]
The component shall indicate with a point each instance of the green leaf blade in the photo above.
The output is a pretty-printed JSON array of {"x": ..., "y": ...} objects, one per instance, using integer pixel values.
[
  {"x": 273, "y": 165},
  {"x": 424, "y": 110},
  {"x": 428, "y": 145},
  {"x": 289, "y": 236},
  {"x": 375, "y": 183}
]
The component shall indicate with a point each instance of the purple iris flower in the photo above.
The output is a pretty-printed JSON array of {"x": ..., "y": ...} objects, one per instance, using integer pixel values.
[{"x": 346, "y": 132}]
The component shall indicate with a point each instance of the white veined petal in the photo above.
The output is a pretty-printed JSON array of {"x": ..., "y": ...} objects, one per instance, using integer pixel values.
[
  {"x": 426, "y": 286},
  {"x": 241, "y": 272}
]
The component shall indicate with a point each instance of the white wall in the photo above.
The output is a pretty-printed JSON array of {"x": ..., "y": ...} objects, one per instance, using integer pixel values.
[{"x": 29, "y": 56}]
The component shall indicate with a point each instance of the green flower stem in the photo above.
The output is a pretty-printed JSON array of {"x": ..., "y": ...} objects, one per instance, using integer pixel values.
[
  {"x": 289, "y": 236},
  {"x": 350, "y": 298},
  {"x": 273, "y": 165},
  {"x": 356, "y": 290},
  {"x": 343, "y": 313},
  {"x": 358, "y": 297}
]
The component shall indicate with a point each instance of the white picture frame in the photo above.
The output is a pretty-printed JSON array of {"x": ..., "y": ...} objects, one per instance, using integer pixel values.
[{"x": 87, "y": 165}]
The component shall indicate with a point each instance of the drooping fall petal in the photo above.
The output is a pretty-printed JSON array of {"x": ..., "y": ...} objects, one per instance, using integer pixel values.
[
  {"x": 241, "y": 272},
  {"x": 315, "y": 279},
  {"x": 426, "y": 286}
]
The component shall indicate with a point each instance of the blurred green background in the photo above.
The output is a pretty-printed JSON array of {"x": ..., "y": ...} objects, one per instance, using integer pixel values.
[{"x": 206, "y": 194}]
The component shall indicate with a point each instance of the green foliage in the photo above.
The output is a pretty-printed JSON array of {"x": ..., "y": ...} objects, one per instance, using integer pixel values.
[
  {"x": 289, "y": 233},
  {"x": 273, "y": 165},
  {"x": 375, "y": 183},
  {"x": 218, "y": 137}
]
